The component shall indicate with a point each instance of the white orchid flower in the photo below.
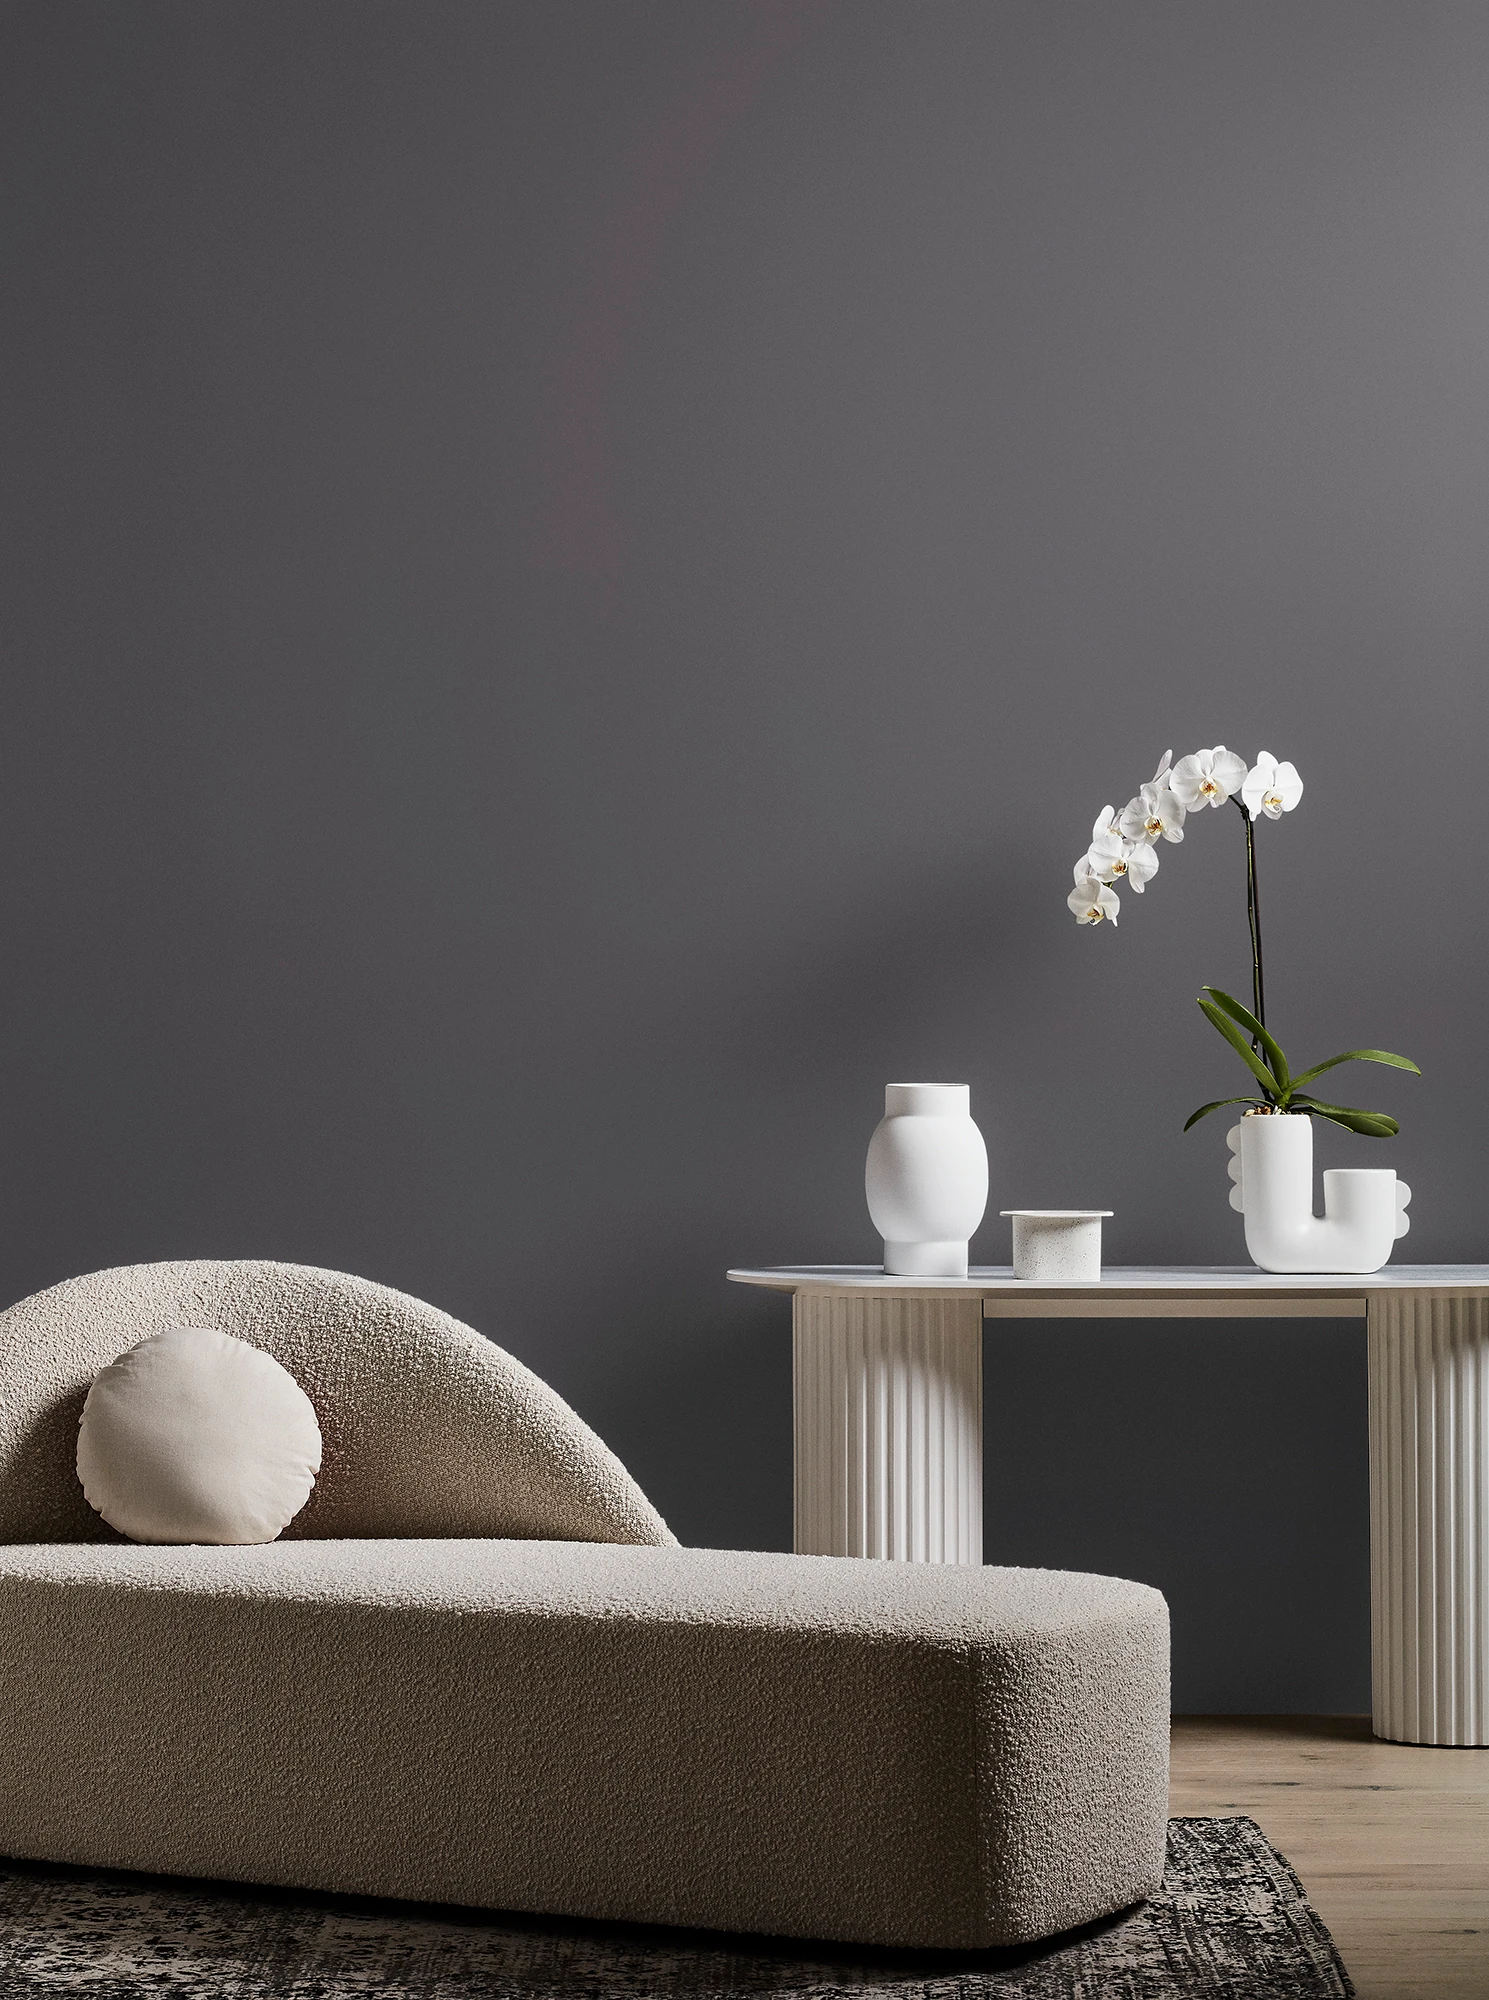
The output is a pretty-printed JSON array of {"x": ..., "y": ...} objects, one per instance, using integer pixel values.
[
  {"x": 1155, "y": 813},
  {"x": 1270, "y": 787},
  {"x": 1113, "y": 859},
  {"x": 1208, "y": 778},
  {"x": 1142, "y": 866},
  {"x": 1109, "y": 855},
  {"x": 1091, "y": 900}
]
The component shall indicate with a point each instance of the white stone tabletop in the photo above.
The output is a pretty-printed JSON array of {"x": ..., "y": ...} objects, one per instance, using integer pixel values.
[{"x": 1132, "y": 1281}]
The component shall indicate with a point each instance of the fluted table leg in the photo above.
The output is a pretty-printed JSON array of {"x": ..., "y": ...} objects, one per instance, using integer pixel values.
[
  {"x": 1429, "y": 1517},
  {"x": 888, "y": 1420}
]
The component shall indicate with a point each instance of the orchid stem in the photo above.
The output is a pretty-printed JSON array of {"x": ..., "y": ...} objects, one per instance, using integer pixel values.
[{"x": 1254, "y": 918}]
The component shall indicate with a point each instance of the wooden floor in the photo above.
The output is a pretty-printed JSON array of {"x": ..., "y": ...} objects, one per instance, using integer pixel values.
[{"x": 1391, "y": 1841}]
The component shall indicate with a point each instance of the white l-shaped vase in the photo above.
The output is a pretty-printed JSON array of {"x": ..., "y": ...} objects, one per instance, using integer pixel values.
[{"x": 1272, "y": 1167}]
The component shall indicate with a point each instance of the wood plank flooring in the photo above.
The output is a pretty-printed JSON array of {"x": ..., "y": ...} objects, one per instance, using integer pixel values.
[{"x": 1391, "y": 1841}]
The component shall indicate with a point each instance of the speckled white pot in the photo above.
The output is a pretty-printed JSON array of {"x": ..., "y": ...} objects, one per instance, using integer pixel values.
[{"x": 1057, "y": 1245}]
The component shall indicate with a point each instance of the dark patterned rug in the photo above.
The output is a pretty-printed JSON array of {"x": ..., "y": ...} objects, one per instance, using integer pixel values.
[{"x": 1232, "y": 1923}]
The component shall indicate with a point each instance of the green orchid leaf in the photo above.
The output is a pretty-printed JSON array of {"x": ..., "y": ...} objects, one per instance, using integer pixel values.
[
  {"x": 1276, "y": 1060},
  {"x": 1360, "y": 1122},
  {"x": 1322, "y": 1104},
  {"x": 1242, "y": 1047},
  {"x": 1369, "y": 1124},
  {"x": 1205, "y": 1109},
  {"x": 1357, "y": 1055}
]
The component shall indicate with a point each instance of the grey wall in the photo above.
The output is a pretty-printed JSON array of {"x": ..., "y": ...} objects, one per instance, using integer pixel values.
[{"x": 575, "y": 576}]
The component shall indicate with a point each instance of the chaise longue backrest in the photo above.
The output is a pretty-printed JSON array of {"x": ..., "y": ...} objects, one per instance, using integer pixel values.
[{"x": 428, "y": 1429}]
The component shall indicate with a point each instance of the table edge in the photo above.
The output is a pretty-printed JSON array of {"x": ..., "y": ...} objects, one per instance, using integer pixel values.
[{"x": 1199, "y": 1281}]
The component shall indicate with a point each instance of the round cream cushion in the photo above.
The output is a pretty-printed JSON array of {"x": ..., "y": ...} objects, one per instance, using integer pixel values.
[{"x": 193, "y": 1436}]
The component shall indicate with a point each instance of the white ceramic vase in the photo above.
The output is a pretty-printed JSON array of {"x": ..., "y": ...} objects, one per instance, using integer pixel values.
[
  {"x": 1272, "y": 1167},
  {"x": 926, "y": 1179}
]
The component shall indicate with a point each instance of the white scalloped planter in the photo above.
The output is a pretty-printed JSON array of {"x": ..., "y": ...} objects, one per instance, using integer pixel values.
[{"x": 1272, "y": 1166}]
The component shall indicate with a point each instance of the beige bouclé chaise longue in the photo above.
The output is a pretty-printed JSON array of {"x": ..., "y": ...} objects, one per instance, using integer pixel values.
[{"x": 478, "y": 1669}]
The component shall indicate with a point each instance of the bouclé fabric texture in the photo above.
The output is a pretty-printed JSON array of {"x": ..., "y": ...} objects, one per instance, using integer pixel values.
[
  {"x": 811, "y": 1746},
  {"x": 193, "y": 1436},
  {"x": 427, "y": 1427},
  {"x": 477, "y": 1669}
]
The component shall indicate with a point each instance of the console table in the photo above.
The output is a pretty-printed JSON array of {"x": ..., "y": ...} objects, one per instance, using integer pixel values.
[{"x": 887, "y": 1378}]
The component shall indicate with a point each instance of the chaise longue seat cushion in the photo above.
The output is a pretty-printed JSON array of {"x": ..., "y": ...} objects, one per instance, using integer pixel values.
[{"x": 812, "y": 1746}]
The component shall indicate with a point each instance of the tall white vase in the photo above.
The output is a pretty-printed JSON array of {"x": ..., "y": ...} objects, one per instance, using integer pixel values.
[
  {"x": 1272, "y": 1167},
  {"x": 926, "y": 1179}
]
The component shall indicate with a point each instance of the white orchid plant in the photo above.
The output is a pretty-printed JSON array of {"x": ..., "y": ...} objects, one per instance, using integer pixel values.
[{"x": 1124, "y": 848}]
